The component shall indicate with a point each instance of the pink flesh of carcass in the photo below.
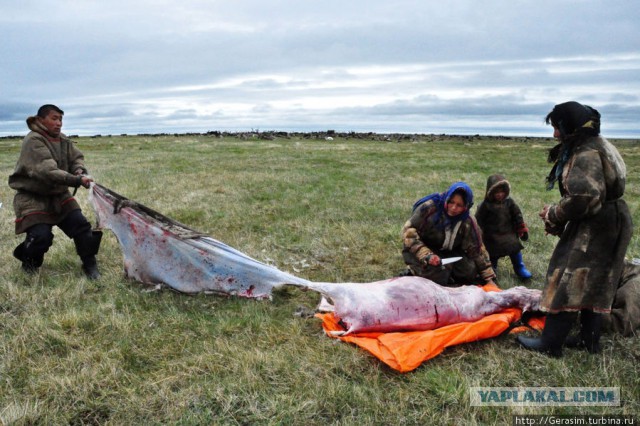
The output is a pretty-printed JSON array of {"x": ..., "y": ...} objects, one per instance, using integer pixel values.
[
  {"x": 158, "y": 250},
  {"x": 414, "y": 303}
]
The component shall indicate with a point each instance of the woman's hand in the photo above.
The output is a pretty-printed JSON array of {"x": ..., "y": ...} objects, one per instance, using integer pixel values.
[
  {"x": 544, "y": 211},
  {"x": 434, "y": 260}
]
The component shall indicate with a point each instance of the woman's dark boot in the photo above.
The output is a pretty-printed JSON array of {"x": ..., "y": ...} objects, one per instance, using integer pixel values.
[
  {"x": 590, "y": 330},
  {"x": 518, "y": 266},
  {"x": 556, "y": 329}
]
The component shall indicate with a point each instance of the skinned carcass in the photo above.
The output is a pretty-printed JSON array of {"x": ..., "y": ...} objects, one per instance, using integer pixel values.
[
  {"x": 159, "y": 250},
  {"x": 415, "y": 303}
]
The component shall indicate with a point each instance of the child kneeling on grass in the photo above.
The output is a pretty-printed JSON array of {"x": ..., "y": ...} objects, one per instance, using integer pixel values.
[{"x": 502, "y": 225}]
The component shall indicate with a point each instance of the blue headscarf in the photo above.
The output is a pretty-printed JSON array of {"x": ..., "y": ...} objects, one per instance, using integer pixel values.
[{"x": 440, "y": 199}]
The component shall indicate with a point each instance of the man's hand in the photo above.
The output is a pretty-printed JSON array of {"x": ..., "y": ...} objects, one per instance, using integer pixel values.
[{"x": 86, "y": 181}]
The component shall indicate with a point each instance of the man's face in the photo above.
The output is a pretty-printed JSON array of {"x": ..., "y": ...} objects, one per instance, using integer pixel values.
[{"x": 53, "y": 122}]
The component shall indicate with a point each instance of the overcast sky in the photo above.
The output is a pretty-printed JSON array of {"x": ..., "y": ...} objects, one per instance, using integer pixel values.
[{"x": 493, "y": 67}]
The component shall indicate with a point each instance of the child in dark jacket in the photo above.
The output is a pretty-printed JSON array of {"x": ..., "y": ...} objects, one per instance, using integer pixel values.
[{"x": 502, "y": 225}]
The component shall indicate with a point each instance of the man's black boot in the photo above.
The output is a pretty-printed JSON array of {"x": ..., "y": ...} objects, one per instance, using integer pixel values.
[
  {"x": 29, "y": 265},
  {"x": 87, "y": 246},
  {"x": 90, "y": 267}
]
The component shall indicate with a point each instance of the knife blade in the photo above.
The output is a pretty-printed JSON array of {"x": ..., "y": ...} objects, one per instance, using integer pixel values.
[{"x": 450, "y": 260}]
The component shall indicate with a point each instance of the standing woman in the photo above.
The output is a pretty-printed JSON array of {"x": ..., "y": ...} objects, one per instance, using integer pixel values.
[{"x": 594, "y": 226}]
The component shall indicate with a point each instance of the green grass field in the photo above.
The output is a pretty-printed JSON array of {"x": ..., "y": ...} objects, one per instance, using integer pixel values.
[{"x": 109, "y": 352}]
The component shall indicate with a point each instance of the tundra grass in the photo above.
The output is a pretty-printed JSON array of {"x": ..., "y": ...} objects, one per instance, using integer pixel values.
[{"x": 112, "y": 352}]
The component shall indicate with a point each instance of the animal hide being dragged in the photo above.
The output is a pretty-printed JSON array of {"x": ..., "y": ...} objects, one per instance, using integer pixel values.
[
  {"x": 159, "y": 250},
  {"x": 415, "y": 303}
]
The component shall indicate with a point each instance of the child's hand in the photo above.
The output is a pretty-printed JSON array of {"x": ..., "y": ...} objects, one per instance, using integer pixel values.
[{"x": 523, "y": 231}]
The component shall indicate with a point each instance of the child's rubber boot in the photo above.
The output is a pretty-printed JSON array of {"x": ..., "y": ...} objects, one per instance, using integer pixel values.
[{"x": 518, "y": 266}]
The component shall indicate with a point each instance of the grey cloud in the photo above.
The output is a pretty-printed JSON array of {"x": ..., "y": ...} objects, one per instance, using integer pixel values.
[{"x": 153, "y": 66}]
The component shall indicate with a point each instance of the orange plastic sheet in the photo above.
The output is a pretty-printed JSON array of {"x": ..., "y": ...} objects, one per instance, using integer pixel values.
[{"x": 405, "y": 351}]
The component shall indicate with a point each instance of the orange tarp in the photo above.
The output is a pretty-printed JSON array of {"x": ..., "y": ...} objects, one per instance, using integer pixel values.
[{"x": 405, "y": 351}]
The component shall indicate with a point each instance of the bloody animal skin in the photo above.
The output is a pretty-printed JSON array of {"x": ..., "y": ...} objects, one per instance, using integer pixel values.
[
  {"x": 414, "y": 303},
  {"x": 159, "y": 250}
]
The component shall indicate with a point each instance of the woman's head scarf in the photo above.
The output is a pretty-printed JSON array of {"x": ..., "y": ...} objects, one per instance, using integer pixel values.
[
  {"x": 441, "y": 199},
  {"x": 574, "y": 121},
  {"x": 572, "y": 118}
]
